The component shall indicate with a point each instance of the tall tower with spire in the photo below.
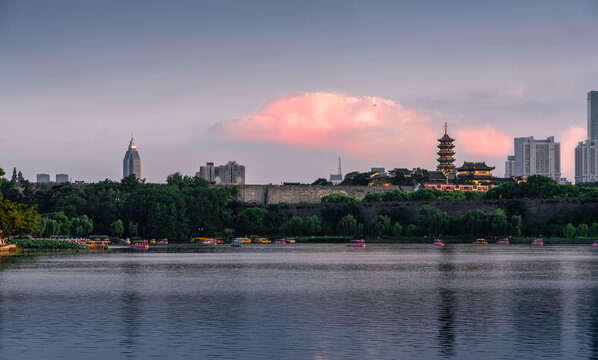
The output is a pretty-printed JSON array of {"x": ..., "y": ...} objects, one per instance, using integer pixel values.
[
  {"x": 446, "y": 153},
  {"x": 132, "y": 161}
]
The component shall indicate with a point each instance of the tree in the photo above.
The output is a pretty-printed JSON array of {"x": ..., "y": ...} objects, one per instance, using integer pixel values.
[
  {"x": 474, "y": 222},
  {"x": 251, "y": 221},
  {"x": 81, "y": 225},
  {"x": 594, "y": 230},
  {"x": 293, "y": 226},
  {"x": 133, "y": 229},
  {"x": 380, "y": 225},
  {"x": 582, "y": 230},
  {"x": 356, "y": 178},
  {"x": 432, "y": 220},
  {"x": 421, "y": 176},
  {"x": 347, "y": 226},
  {"x": 13, "y": 179},
  {"x": 411, "y": 230},
  {"x": 117, "y": 228},
  {"x": 312, "y": 225},
  {"x": 322, "y": 181},
  {"x": 339, "y": 198},
  {"x": 498, "y": 222},
  {"x": 397, "y": 229},
  {"x": 515, "y": 225},
  {"x": 569, "y": 231}
]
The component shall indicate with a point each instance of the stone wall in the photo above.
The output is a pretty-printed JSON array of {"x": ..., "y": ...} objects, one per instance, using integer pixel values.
[
  {"x": 535, "y": 210},
  {"x": 295, "y": 194}
]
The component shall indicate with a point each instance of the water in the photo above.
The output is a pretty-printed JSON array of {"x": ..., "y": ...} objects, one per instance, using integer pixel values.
[{"x": 303, "y": 301}]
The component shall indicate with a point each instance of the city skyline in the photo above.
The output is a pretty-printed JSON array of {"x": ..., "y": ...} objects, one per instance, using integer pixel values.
[{"x": 276, "y": 85}]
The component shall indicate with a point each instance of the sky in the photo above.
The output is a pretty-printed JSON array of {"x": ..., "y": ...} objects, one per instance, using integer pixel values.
[{"x": 286, "y": 87}]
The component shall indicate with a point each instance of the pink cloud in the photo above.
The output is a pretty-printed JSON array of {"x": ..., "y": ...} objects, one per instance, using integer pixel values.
[
  {"x": 570, "y": 138},
  {"x": 485, "y": 141},
  {"x": 366, "y": 127}
]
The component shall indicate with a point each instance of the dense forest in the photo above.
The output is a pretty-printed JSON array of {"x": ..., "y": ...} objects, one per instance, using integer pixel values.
[{"x": 188, "y": 206}]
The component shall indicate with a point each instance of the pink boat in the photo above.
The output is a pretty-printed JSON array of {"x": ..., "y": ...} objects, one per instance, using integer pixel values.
[
  {"x": 538, "y": 242},
  {"x": 162, "y": 241},
  {"x": 357, "y": 243},
  {"x": 139, "y": 245},
  {"x": 438, "y": 242},
  {"x": 503, "y": 241},
  {"x": 595, "y": 244},
  {"x": 280, "y": 241}
]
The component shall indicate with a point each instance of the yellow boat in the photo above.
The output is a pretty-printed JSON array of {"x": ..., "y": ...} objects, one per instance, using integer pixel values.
[
  {"x": 264, "y": 241},
  {"x": 480, "y": 242},
  {"x": 245, "y": 240},
  {"x": 152, "y": 241}
]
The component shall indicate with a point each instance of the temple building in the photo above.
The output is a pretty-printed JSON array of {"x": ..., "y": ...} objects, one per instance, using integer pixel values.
[
  {"x": 446, "y": 153},
  {"x": 476, "y": 172}
]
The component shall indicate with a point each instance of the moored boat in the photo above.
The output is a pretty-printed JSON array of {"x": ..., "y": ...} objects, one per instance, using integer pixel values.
[
  {"x": 291, "y": 241},
  {"x": 538, "y": 242},
  {"x": 264, "y": 241},
  {"x": 438, "y": 242},
  {"x": 357, "y": 243},
  {"x": 280, "y": 241},
  {"x": 162, "y": 241},
  {"x": 595, "y": 244},
  {"x": 480, "y": 241},
  {"x": 503, "y": 241},
  {"x": 143, "y": 245},
  {"x": 236, "y": 243}
]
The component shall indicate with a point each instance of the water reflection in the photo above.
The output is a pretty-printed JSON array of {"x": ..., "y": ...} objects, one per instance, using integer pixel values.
[{"x": 307, "y": 301}]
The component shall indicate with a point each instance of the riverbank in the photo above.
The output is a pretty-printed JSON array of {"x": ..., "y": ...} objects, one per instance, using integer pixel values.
[{"x": 447, "y": 240}]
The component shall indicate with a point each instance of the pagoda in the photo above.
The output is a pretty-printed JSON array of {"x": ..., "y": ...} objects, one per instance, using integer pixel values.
[{"x": 446, "y": 159}]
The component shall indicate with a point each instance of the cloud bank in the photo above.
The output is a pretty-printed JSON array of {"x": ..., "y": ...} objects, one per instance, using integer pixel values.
[
  {"x": 485, "y": 141},
  {"x": 365, "y": 127}
]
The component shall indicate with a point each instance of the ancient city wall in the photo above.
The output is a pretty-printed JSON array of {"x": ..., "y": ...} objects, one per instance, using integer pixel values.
[{"x": 535, "y": 210}]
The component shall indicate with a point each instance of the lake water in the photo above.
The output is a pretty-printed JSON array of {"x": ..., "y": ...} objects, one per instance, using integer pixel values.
[{"x": 303, "y": 301}]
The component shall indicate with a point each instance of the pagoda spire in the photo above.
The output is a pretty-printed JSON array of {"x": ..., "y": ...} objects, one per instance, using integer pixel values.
[{"x": 446, "y": 160}]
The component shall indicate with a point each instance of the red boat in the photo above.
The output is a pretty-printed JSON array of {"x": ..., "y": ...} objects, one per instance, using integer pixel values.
[
  {"x": 538, "y": 242},
  {"x": 357, "y": 243},
  {"x": 438, "y": 242},
  {"x": 139, "y": 245},
  {"x": 503, "y": 241}
]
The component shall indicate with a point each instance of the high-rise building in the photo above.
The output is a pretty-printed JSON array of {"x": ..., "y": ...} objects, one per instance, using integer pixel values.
[
  {"x": 62, "y": 178},
  {"x": 231, "y": 173},
  {"x": 592, "y": 114},
  {"x": 535, "y": 157},
  {"x": 43, "y": 178},
  {"x": 207, "y": 172},
  {"x": 510, "y": 166},
  {"x": 586, "y": 161},
  {"x": 132, "y": 161}
]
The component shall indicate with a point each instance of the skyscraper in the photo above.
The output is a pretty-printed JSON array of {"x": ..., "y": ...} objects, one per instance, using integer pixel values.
[
  {"x": 586, "y": 152},
  {"x": 592, "y": 114},
  {"x": 132, "y": 161},
  {"x": 535, "y": 157}
]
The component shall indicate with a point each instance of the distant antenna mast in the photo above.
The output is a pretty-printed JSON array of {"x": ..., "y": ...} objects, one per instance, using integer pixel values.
[{"x": 339, "y": 166}]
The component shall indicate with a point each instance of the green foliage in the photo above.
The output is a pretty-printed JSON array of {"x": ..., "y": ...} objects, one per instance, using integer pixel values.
[
  {"x": 498, "y": 222},
  {"x": 582, "y": 230},
  {"x": 568, "y": 230},
  {"x": 45, "y": 244},
  {"x": 474, "y": 222},
  {"x": 347, "y": 226},
  {"x": 117, "y": 228},
  {"x": 515, "y": 225},
  {"x": 432, "y": 221},
  {"x": 18, "y": 219},
  {"x": 594, "y": 229},
  {"x": 339, "y": 198},
  {"x": 397, "y": 229},
  {"x": 380, "y": 225},
  {"x": 322, "y": 181},
  {"x": 292, "y": 227},
  {"x": 411, "y": 230},
  {"x": 372, "y": 197},
  {"x": 81, "y": 225},
  {"x": 356, "y": 178},
  {"x": 423, "y": 194},
  {"x": 251, "y": 221},
  {"x": 312, "y": 225},
  {"x": 133, "y": 229}
]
